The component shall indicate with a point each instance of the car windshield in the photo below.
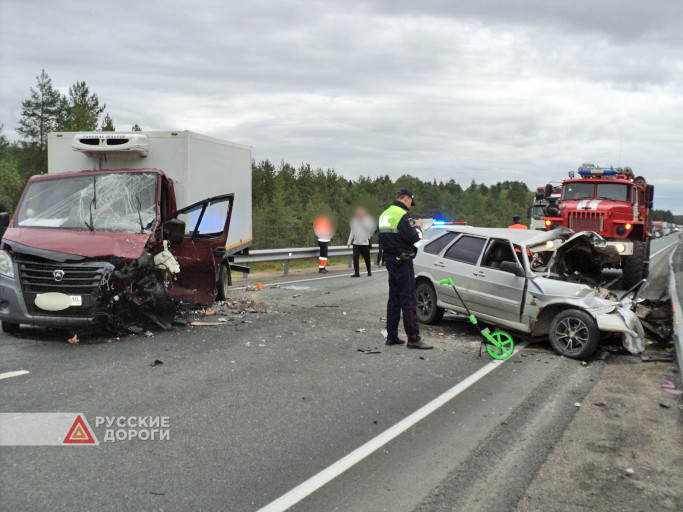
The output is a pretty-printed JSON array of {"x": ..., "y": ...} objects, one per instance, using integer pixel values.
[
  {"x": 119, "y": 202},
  {"x": 578, "y": 190},
  {"x": 614, "y": 191}
]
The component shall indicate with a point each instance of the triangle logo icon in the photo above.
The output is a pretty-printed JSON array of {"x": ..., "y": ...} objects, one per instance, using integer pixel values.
[{"x": 80, "y": 433}]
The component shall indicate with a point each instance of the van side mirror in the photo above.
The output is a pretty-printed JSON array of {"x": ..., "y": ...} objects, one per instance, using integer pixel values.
[
  {"x": 512, "y": 268},
  {"x": 174, "y": 231},
  {"x": 4, "y": 222}
]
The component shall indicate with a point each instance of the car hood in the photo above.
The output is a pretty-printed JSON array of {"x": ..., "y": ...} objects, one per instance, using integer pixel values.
[
  {"x": 87, "y": 244},
  {"x": 580, "y": 248}
]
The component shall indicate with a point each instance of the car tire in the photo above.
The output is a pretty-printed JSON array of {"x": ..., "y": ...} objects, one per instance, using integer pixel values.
[
  {"x": 224, "y": 281},
  {"x": 633, "y": 267},
  {"x": 10, "y": 327},
  {"x": 427, "y": 310},
  {"x": 574, "y": 334}
]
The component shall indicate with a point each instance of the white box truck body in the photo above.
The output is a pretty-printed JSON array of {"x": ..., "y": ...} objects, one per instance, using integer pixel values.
[{"x": 200, "y": 167}]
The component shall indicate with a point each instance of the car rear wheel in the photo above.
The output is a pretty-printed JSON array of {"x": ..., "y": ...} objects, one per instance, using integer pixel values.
[
  {"x": 427, "y": 310},
  {"x": 575, "y": 334},
  {"x": 223, "y": 284},
  {"x": 10, "y": 327}
]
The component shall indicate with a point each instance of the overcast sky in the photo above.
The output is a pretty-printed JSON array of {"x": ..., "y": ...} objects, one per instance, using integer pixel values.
[{"x": 485, "y": 90}]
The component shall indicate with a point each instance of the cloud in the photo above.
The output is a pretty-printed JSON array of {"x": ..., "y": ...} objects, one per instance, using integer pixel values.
[{"x": 487, "y": 90}]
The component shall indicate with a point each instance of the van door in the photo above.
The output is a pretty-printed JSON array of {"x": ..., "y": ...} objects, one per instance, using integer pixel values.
[
  {"x": 493, "y": 292},
  {"x": 201, "y": 252}
]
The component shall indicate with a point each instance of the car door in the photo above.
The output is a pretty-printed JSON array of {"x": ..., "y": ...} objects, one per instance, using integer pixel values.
[
  {"x": 493, "y": 292},
  {"x": 202, "y": 249},
  {"x": 433, "y": 258},
  {"x": 459, "y": 263}
]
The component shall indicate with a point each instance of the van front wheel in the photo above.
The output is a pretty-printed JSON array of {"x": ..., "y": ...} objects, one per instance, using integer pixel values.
[{"x": 223, "y": 284}]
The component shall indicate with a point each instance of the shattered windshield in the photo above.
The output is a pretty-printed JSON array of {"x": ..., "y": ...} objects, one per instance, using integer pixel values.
[
  {"x": 578, "y": 191},
  {"x": 120, "y": 202},
  {"x": 614, "y": 192}
]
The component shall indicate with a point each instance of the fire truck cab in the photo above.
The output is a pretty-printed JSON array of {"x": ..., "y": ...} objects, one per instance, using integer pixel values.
[{"x": 615, "y": 204}]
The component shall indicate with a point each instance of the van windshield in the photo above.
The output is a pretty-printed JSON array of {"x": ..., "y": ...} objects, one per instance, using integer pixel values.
[{"x": 118, "y": 202}]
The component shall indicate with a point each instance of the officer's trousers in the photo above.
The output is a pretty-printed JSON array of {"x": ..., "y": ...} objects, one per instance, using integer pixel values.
[{"x": 402, "y": 297}]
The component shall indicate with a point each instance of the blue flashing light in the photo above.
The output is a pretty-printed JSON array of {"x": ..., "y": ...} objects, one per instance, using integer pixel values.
[
  {"x": 610, "y": 172},
  {"x": 584, "y": 172},
  {"x": 439, "y": 223}
]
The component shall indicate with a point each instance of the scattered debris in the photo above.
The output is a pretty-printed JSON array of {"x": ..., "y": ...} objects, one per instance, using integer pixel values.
[
  {"x": 209, "y": 312},
  {"x": 208, "y": 324},
  {"x": 669, "y": 387},
  {"x": 663, "y": 358},
  {"x": 157, "y": 362},
  {"x": 384, "y": 332},
  {"x": 421, "y": 357},
  {"x": 600, "y": 404},
  {"x": 360, "y": 330},
  {"x": 577, "y": 404},
  {"x": 74, "y": 339},
  {"x": 261, "y": 286},
  {"x": 327, "y": 306},
  {"x": 665, "y": 405},
  {"x": 135, "y": 329},
  {"x": 630, "y": 471},
  {"x": 296, "y": 295},
  {"x": 584, "y": 363},
  {"x": 148, "y": 334},
  {"x": 369, "y": 350}
]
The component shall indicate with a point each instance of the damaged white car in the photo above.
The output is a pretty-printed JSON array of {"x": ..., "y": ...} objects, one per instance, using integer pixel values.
[{"x": 542, "y": 284}]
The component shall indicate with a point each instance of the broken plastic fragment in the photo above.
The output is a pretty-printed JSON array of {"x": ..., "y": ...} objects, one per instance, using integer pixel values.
[{"x": 74, "y": 339}]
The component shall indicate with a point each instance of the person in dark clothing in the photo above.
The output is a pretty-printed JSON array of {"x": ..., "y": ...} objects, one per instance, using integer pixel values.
[{"x": 398, "y": 234}]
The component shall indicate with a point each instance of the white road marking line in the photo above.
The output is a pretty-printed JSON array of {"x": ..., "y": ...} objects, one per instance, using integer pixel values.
[
  {"x": 7, "y": 375},
  {"x": 662, "y": 250},
  {"x": 328, "y": 474},
  {"x": 304, "y": 280}
]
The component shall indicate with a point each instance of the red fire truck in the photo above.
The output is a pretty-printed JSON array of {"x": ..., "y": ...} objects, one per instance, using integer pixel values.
[{"x": 613, "y": 203}]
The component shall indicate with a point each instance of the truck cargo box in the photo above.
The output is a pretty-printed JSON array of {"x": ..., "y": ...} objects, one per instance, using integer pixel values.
[{"x": 200, "y": 166}]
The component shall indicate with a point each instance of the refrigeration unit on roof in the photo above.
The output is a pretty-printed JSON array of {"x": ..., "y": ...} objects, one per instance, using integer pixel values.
[{"x": 135, "y": 143}]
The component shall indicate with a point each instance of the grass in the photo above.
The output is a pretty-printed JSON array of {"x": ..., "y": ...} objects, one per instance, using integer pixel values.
[{"x": 269, "y": 266}]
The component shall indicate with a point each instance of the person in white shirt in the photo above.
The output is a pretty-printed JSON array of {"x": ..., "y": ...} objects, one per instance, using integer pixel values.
[{"x": 362, "y": 228}]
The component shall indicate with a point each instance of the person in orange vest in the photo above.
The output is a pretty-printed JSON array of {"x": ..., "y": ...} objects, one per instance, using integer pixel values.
[
  {"x": 516, "y": 224},
  {"x": 324, "y": 229}
]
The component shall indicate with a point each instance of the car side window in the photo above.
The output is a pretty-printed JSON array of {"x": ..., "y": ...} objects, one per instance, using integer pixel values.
[
  {"x": 466, "y": 249},
  {"x": 498, "y": 252},
  {"x": 438, "y": 245}
]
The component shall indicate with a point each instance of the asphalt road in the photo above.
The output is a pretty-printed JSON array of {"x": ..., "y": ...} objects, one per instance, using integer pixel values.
[{"x": 258, "y": 408}]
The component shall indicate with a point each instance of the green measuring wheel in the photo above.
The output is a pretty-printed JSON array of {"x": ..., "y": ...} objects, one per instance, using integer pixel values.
[{"x": 501, "y": 345}]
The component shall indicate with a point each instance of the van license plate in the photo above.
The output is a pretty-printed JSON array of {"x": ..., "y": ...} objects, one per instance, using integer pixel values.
[{"x": 76, "y": 300}]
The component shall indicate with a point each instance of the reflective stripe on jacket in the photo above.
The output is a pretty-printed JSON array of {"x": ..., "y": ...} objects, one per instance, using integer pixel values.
[{"x": 396, "y": 232}]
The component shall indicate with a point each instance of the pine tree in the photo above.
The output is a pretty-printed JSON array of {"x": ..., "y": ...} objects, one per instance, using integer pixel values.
[
  {"x": 84, "y": 109},
  {"x": 108, "y": 124},
  {"x": 45, "y": 111},
  {"x": 136, "y": 128}
]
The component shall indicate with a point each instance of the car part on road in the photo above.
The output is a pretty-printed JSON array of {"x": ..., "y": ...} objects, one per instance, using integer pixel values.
[{"x": 499, "y": 344}]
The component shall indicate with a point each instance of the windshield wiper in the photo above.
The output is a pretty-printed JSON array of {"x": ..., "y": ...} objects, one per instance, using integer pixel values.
[
  {"x": 91, "y": 226},
  {"x": 142, "y": 226}
]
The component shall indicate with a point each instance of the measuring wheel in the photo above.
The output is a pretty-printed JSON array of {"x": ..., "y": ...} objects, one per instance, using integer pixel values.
[{"x": 505, "y": 346}]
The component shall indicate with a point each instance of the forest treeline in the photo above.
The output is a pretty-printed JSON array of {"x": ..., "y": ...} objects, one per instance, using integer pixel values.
[{"x": 286, "y": 199}]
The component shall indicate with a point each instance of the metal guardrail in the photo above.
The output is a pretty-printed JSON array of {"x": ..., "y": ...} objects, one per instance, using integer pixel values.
[
  {"x": 298, "y": 253},
  {"x": 676, "y": 273}
]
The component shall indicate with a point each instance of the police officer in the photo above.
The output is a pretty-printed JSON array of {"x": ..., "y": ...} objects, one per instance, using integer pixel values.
[{"x": 398, "y": 234}]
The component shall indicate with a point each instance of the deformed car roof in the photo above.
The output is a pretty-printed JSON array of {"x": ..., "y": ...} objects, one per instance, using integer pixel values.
[{"x": 516, "y": 236}]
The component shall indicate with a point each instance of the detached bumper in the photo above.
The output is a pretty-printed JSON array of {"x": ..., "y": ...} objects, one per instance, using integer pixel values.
[
  {"x": 13, "y": 309},
  {"x": 624, "y": 321}
]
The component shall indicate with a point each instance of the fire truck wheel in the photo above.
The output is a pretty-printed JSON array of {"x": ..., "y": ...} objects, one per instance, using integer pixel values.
[
  {"x": 223, "y": 285},
  {"x": 633, "y": 266},
  {"x": 10, "y": 328},
  {"x": 575, "y": 334},
  {"x": 646, "y": 265}
]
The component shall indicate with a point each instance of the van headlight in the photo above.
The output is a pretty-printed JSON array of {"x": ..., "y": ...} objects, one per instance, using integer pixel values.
[{"x": 6, "y": 265}]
